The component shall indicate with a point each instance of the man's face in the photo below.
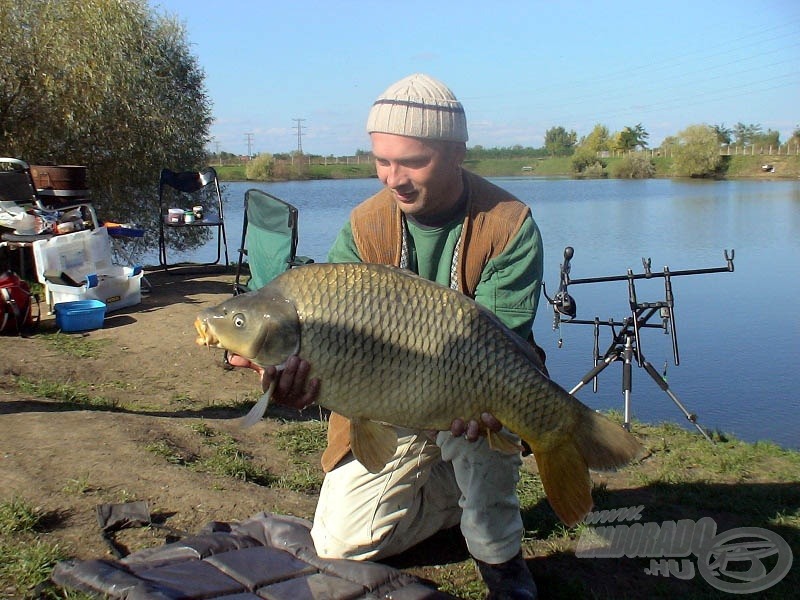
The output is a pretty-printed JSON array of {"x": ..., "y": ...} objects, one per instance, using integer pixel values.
[{"x": 424, "y": 175}]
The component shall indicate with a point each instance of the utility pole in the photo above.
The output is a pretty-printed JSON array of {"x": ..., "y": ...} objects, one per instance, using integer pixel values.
[
  {"x": 219, "y": 156},
  {"x": 249, "y": 138},
  {"x": 299, "y": 127}
]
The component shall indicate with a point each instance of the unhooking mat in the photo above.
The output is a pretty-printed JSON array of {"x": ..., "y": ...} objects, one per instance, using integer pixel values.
[{"x": 268, "y": 557}]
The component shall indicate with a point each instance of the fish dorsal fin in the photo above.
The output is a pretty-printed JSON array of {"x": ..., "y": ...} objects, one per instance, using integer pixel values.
[{"x": 372, "y": 443}]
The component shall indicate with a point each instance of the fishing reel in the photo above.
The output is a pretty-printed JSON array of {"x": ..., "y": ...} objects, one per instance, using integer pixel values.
[{"x": 563, "y": 304}]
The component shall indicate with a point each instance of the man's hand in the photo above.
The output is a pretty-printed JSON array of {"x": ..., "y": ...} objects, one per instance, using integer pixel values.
[
  {"x": 471, "y": 430},
  {"x": 293, "y": 388}
]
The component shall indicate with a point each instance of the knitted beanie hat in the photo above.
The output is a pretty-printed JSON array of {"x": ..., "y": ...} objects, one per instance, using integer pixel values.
[{"x": 419, "y": 106}]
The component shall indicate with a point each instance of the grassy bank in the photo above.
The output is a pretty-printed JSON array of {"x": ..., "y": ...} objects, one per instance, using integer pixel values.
[
  {"x": 682, "y": 477},
  {"x": 786, "y": 167}
]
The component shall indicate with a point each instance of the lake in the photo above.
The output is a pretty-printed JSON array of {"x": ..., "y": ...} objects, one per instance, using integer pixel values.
[{"x": 737, "y": 332}]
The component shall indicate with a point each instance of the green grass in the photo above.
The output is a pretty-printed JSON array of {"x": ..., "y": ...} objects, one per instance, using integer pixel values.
[
  {"x": 735, "y": 166},
  {"x": 25, "y": 560},
  {"x": 76, "y": 346},
  {"x": 68, "y": 393},
  {"x": 18, "y": 516},
  {"x": 303, "y": 438},
  {"x": 299, "y": 441},
  {"x": 222, "y": 456},
  {"x": 231, "y": 172},
  {"x": 24, "y": 565}
]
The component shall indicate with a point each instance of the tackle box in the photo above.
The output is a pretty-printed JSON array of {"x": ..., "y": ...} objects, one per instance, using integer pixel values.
[{"x": 78, "y": 266}]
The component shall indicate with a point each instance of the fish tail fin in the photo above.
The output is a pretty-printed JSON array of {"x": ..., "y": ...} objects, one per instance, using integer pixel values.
[
  {"x": 595, "y": 442},
  {"x": 605, "y": 444},
  {"x": 566, "y": 481}
]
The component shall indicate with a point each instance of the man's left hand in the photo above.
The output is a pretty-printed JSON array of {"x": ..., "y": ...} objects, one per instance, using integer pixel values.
[{"x": 472, "y": 430}]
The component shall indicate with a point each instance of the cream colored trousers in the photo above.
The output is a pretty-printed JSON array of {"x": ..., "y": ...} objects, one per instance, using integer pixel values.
[{"x": 425, "y": 488}]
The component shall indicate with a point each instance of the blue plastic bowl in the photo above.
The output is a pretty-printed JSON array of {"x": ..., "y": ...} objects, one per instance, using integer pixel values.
[{"x": 80, "y": 315}]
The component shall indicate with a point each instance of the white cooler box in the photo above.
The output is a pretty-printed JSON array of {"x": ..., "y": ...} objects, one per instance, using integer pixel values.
[{"x": 85, "y": 258}]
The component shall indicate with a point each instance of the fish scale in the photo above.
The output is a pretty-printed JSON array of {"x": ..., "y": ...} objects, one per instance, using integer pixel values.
[{"x": 391, "y": 347}]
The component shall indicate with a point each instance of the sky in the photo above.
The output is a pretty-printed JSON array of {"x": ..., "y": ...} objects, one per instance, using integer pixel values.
[{"x": 274, "y": 68}]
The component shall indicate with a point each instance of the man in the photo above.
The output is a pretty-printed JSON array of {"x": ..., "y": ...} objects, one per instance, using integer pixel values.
[{"x": 453, "y": 227}]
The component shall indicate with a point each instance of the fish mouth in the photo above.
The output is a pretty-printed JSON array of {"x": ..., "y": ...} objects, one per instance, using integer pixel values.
[{"x": 205, "y": 337}]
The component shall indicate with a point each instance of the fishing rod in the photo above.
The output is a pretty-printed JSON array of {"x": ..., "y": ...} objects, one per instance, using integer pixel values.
[{"x": 626, "y": 333}]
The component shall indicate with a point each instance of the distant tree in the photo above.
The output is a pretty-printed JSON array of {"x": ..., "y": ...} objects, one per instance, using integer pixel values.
[
  {"x": 669, "y": 144},
  {"x": 724, "y": 134},
  {"x": 559, "y": 142},
  {"x": 795, "y": 139},
  {"x": 745, "y": 135},
  {"x": 697, "y": 152},
  {"x": 631, "y": 138},
  {"x": 770, "y": 138},
  {"x": 598, "y": 140},
  {"x": 106, "y": 84}
]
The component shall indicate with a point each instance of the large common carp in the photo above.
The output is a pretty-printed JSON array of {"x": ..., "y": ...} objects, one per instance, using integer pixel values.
[{"x": 392, "y": 347}]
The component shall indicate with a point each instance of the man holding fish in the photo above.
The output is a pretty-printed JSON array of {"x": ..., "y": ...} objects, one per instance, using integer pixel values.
[{"x": 455, "y": 228}]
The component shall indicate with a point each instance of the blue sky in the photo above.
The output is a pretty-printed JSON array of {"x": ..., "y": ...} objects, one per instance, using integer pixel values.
[{"x": 519, "y": 68}]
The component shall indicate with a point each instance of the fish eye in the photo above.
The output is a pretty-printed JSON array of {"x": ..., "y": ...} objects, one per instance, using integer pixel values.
[{"x": 239, "y": 320}]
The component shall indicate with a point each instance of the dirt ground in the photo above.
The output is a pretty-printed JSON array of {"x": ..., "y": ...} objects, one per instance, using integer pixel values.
[{"x": 157, "y": 383}]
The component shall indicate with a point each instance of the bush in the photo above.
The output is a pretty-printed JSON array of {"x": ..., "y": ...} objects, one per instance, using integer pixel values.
[
  {"x": 635, "y": 166},
  {"x": 260, "y": 167},
  {"x": 586, "y": 163}
]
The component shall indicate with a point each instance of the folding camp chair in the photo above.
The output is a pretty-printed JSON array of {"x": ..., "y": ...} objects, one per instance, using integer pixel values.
[
  {"x": 18, "y": 195},
  {"x": 269, "y": 240},
  {"x": 181, "y": 191}
]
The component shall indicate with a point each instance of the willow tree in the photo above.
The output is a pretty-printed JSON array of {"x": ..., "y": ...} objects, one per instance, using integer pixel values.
[
  {"x": 109, "y": 84},
  {"x": 697, "y": 152}
]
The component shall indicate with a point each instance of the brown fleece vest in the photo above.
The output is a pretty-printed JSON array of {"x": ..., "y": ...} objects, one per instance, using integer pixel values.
[{"x": 493, "y": 219}]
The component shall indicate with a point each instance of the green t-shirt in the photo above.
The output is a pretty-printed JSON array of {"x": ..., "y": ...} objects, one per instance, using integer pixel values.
[{"x": 509, "y": 284}]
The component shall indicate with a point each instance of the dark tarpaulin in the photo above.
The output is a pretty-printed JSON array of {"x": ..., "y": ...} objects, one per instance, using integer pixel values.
[{"x": 268, "y": 557}]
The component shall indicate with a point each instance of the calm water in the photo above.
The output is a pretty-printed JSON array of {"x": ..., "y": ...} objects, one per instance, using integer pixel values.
[{"x": 737, "y": 332}]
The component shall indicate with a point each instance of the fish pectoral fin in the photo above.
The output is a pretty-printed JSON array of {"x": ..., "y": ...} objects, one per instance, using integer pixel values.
[
  {"x": 259, "y": 408},
  {"x": 503, "y": 441},
  {"x": 372, "y": 443}
]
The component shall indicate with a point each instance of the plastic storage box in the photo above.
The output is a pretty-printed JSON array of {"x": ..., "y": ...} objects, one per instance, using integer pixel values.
[
  {"x": 84, "y": 259},
  {"x": 80, "y": 315}
]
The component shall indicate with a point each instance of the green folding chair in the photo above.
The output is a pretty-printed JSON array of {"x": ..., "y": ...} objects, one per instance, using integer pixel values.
[{"x": 269, "y": 241}]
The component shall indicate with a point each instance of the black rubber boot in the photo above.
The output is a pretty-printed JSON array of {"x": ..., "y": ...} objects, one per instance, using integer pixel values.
[{"x": 511, "y": 580}]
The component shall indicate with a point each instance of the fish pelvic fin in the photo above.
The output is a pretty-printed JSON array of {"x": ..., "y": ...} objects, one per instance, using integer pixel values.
[
  {"x": 595, "y": 442},
  {"x": 503, "y": 442},
  {"x": 373, "y": 444}
]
